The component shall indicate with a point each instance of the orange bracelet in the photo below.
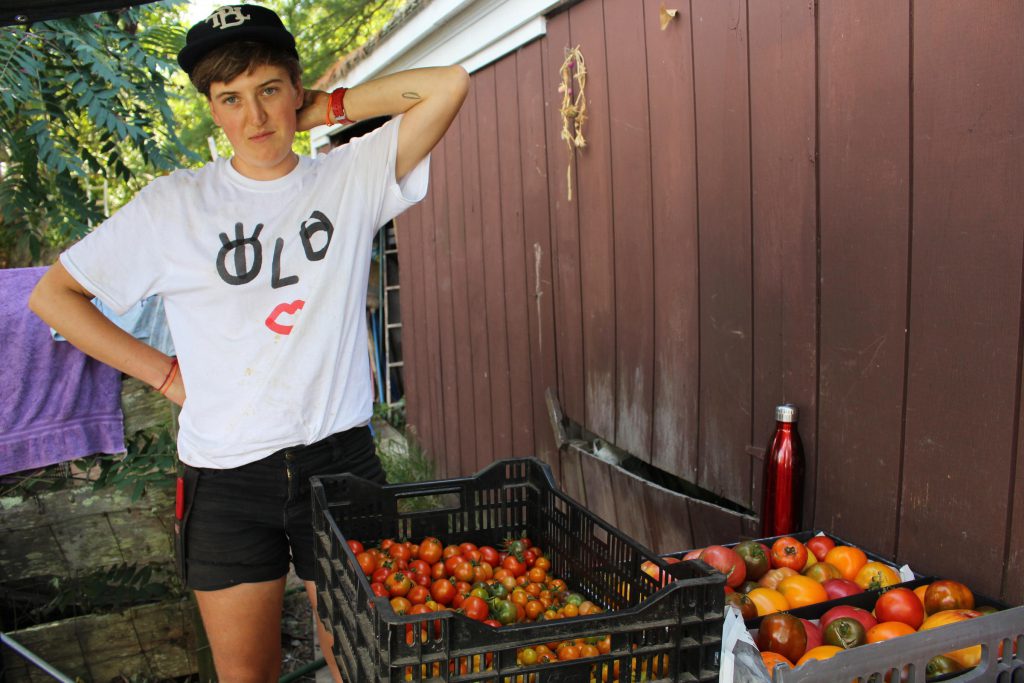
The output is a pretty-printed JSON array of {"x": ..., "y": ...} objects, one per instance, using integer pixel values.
[{"x": 169, "y": 379}]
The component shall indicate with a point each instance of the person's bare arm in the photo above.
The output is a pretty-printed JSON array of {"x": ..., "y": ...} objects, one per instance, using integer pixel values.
[
  {"x": 430, "y": 98},
  {"x": 65, "y": 305}
]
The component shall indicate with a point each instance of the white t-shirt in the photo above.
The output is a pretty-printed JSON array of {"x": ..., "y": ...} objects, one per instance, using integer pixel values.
[{"x": 264, "y": 285}]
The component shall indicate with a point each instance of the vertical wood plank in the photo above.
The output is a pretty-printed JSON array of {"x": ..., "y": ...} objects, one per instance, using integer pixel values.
[
  {"x": 490, "y": 214},
  {"x": 674, "y": 215},
  {"x": 630, "y": 513},
  {"x": 564, "y": 228},
  {"x": 436, "y": 444},
  {"x": 597, "y": 249},
  {"x": 632, "y": 230},
  {"x": 668, "y": 516},
  {"x": 446, "y": 332},
  {"x": 514, "y": 262},
  {"x": 965, "y": 292},
  {"x": 784, "y": 184},
  {"x": 600, "y": 496},
  {"x": 864, "y": 153},
  {"x": 723, "y": 181},
  {"x": 532, "y": 135},
  {"x": 463, "y": 369},
  {"x": 476, "y": 281},
  {"x": 572, "y": 475}
]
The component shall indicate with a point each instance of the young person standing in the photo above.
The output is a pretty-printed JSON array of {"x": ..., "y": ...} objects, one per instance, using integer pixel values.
[{"x": 262, "y": 261}]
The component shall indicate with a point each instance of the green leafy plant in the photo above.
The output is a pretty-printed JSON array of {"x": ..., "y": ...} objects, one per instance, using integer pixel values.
[
  {"x": 84, "y": 123},
  {"x": 150, "y": 462}
]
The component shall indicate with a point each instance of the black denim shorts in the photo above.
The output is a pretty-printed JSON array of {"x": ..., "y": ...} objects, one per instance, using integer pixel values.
[{"x": 244, "y": 525}]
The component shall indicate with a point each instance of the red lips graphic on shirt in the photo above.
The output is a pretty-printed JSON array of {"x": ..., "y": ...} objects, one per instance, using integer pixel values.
[{"x": 283, "y": 309}]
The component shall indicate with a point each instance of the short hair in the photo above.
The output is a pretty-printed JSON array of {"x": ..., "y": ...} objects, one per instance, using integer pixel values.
[{"x": 227, "y": 62}]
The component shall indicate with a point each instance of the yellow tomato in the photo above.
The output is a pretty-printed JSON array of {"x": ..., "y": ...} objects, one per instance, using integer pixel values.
[
  {"x": 768, "y": 601},
  {"x": 811, "y": 561},
  {"x": 876, "y": 575}
]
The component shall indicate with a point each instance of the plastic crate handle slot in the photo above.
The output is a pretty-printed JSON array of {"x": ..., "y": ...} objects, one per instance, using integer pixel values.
[{"x": 435, "y": 499}]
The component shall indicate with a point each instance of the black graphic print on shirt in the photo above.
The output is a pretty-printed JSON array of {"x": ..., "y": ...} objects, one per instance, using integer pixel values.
[{"x": 240, "y": 260}]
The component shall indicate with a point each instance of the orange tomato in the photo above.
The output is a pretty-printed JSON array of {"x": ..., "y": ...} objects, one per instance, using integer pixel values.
[
  {"x": 768, "y": 601},
  {"x": 965, "y": 657},
  {"x": 887, "y": 630},
  {"x": 773, "y": 659},
  {"x": 920, "y": 591},
  {"x": 847, "y": 559},
  {"x": 820, "y": 652},
  {"x": 801, "y": 591},
  {"x": 876, "y": 575}
]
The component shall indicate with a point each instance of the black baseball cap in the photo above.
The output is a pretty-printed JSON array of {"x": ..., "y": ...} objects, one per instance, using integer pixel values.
[{"x": 230, "y": 24}]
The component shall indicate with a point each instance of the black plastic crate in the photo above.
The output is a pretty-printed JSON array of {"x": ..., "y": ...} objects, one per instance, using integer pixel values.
[{"x": 671, "y": 633}]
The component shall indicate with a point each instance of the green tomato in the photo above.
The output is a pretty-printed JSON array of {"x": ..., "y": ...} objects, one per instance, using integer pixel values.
[
  {"x": 845, "y": 632},
  {"x": 754, "y": 558}
]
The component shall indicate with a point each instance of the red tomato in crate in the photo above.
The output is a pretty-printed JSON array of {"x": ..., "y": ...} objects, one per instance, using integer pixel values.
[
  {"x": 489, "y": 555},
  {"x": 475, "y": 608},
  {"x": 430, "y": 550},
  {"x": 398, "y": 584},
  {"x": 861, "y": 615},
  {"x": 356, "y": 547},
  {"x": 900, "y": 604},
  {"x": 789, "y": 552},
  {"x": 727, "y": 561},
  {"x": 820, "y": 545},
  {"x": 367, "y": 562}
]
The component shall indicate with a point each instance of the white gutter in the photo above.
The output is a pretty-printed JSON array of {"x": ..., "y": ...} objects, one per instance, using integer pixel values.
[{"x": 473, "y": 33}]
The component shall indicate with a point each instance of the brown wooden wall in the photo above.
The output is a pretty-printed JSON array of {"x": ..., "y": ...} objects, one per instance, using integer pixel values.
[{"x": 779, "y": 200}]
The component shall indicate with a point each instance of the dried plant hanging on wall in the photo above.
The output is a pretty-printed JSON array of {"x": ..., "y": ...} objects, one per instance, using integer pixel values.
[{"x": 574, "y": 106}]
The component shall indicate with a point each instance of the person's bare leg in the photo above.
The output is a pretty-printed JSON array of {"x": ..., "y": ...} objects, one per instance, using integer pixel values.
[
  {"x": 326, "y": 639},
  {"x": 243, "y": 625}
]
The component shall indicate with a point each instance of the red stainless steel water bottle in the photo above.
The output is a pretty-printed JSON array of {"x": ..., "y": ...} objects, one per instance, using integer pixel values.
[{"x": 782, "y": 503}]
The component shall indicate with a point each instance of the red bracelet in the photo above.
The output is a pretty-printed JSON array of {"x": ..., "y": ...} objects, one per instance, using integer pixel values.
[
  {"x": 169, "y": 379},
  {"x": 336, "y": 107}
]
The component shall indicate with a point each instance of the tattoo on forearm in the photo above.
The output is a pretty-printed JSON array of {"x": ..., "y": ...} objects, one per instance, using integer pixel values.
[{"x": 411, "y": 95}]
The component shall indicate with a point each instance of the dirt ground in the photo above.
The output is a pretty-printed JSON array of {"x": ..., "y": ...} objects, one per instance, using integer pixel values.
[{"x": 297, "y": 637}]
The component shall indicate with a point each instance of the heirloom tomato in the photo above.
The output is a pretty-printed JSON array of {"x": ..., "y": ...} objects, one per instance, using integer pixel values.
[
  {"x": 768, "y": 600},
  {"x": 801, "y": 591},
  {"x": 876, "y": 575},
  {"x": 746, "y": 606},
  {"x": 754, "y": 558},
  {"x": 900, "y": 604},
  {"x": 728, "y": 562},
  {"x": 847, "y": 559},
  {"x": 886, "y": 630},
  {"x": 773, "y": 659},
  {"x": 965, "y": 657},
  {"x": 844, "y": 632},
  {"x": 822, "y": 572},
  {"x": 789, "y": 552},
  {"x": 821, "y": 652},
  {"x": 782, "y": 633},
  {"x": 819, "y": 546},
  {"x": 945, "y": 595}
]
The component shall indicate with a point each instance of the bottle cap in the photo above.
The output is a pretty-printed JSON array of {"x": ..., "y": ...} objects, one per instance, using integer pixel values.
[{"x": 787, "y": 412}]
